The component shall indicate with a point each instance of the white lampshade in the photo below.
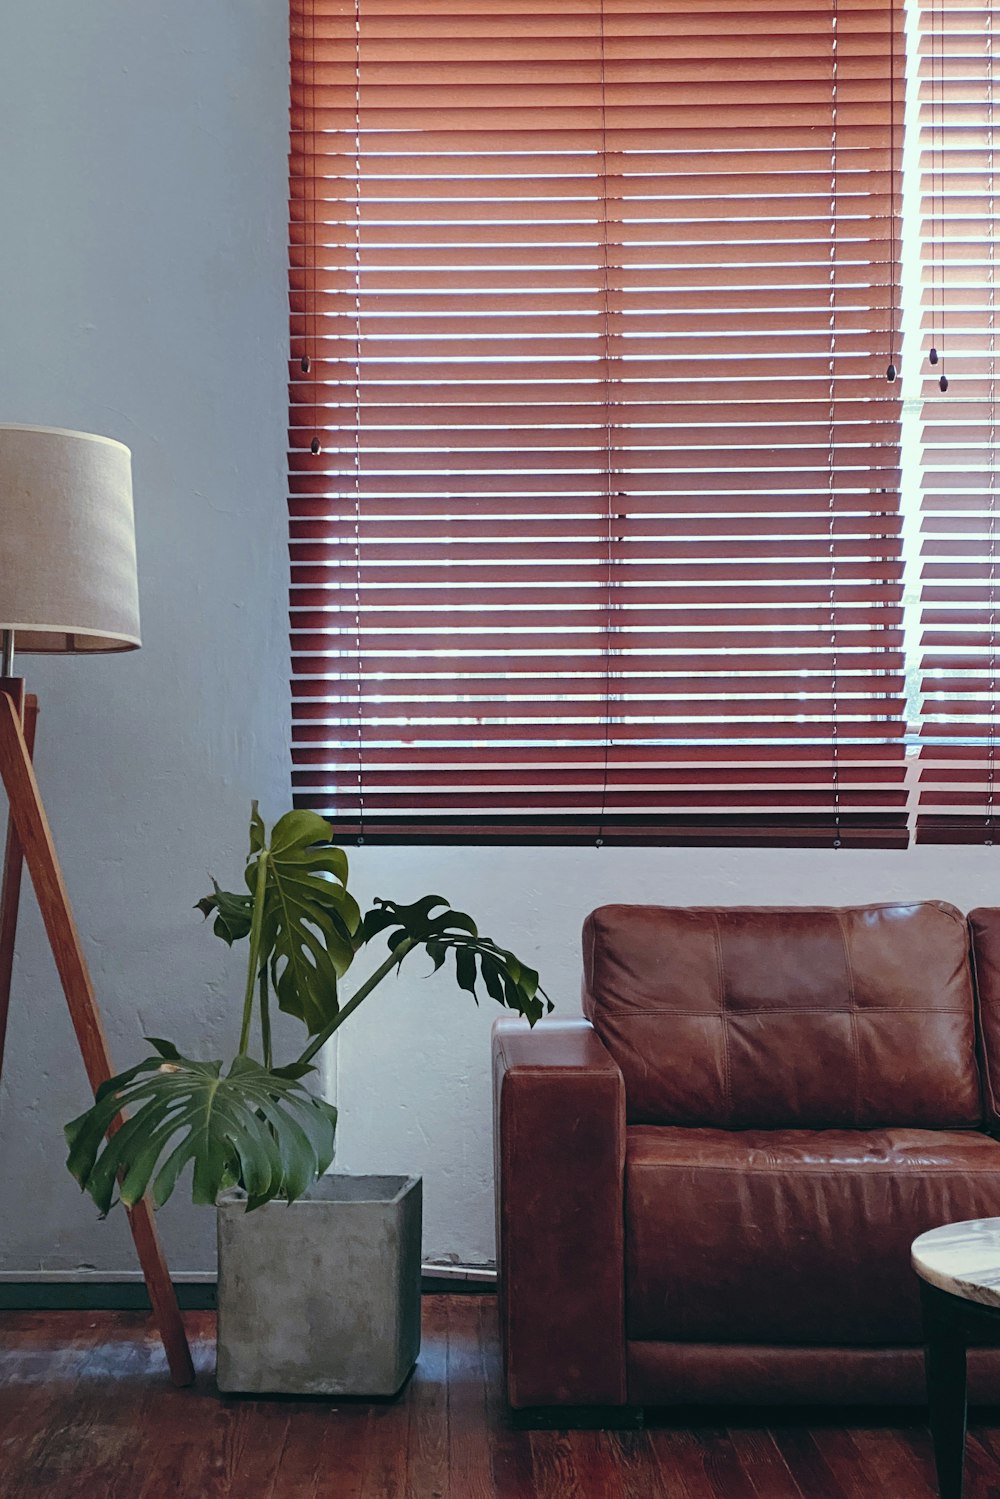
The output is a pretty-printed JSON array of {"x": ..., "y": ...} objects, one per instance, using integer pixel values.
[{"x": 67, "y": 541}]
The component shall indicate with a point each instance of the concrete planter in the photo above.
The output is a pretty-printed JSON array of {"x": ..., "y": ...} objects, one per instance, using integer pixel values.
[{"x": 321, "y": 1297}]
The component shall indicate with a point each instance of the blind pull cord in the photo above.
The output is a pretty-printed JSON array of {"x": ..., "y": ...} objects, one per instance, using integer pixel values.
[{"x": 937, "y": 185}]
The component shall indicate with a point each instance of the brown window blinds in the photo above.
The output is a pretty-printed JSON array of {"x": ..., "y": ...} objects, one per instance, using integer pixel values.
[
  {"x": 593, "y": 459},
  {"x": 958, "y": 800}
]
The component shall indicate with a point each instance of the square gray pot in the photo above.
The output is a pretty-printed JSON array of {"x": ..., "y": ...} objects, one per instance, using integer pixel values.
[{"x": 321, "y": 1296}]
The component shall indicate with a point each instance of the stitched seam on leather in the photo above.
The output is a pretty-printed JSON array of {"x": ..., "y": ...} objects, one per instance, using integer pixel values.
[
  {"x": 983, "y": 1058},
  {"x": 876, "y": 905},
  {"x": 571, "y": 1073},
  {"x": 727, "y": 1081},
  {"x": 853, "y": 1003},
  {"x": 637, "y": 1014},
  {"x": 841, "y": 1172}
]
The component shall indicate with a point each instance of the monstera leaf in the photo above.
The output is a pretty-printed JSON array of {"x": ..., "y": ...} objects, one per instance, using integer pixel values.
[
  {"x": 309, "y": 920},
  {"x": 233, "y": 913},
  {"x": 309, "y": 923},
  {"x": 507, "y": 980},
  {"x": 254, "y": 1127}
]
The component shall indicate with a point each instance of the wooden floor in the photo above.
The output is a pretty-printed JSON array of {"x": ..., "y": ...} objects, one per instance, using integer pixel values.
[{"x": 86, "y": 1413}]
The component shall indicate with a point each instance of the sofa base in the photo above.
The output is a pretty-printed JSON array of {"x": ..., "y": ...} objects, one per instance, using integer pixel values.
[{"x": 736, "y": 1374}]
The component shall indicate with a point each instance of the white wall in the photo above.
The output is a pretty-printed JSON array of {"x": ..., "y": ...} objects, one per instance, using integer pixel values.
[{"x": 142, "y": 174}]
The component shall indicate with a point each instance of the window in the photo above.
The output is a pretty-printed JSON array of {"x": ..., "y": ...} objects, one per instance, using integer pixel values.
[
  {"x": 594, "y": 464},
  {"x": 958, "y": 430}
]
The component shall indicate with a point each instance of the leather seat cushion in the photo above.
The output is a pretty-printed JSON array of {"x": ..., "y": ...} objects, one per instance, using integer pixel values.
[{"x": 791, "y": 1236}]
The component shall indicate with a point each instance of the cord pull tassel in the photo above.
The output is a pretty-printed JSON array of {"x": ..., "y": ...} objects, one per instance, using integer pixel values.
[
  {"x": 943, "y": 382},
  {"x": 890, "y": 373},
  {"x": 933, "y": 356}
]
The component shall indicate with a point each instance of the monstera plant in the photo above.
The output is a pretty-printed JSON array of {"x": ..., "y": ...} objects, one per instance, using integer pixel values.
[{"x": 256, "y": 1125}]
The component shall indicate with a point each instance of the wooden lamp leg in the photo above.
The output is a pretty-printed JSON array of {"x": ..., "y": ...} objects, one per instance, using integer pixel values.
[
  {"x": 13, "y": 863},
  {"x": 35, "y": 839}
]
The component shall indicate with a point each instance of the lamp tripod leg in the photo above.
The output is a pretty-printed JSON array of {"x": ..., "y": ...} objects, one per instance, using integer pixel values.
[
  {"x": 13, "y": 865},
  {"x": 35, "y": 839}
]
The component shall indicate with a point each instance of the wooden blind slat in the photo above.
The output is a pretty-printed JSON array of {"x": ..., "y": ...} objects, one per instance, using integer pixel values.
[{"x": 594, "y": 467}]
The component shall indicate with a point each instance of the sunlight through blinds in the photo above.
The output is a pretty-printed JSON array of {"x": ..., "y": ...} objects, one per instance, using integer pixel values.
[{"x": 959, "y": 182}]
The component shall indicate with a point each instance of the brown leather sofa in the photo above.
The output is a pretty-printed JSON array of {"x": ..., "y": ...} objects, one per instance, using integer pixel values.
[{"x": 708, "y": 1187}]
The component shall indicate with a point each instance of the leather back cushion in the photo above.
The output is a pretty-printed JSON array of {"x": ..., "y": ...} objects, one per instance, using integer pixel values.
[{"x": 809, "y": 1017}]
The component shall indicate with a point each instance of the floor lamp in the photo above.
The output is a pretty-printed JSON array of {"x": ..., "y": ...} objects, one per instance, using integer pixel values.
[{"x": 67, "y": 586}]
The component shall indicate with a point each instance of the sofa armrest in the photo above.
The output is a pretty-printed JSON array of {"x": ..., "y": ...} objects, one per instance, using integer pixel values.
[{"x": 559, "y": 1145}]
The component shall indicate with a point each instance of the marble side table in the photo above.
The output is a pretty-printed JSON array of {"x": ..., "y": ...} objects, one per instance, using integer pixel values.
[{"x": 959, "y": 1269}]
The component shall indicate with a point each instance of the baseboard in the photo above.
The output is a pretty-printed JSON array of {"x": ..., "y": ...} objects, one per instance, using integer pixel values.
[
  {"x": 94, "y": 1294},
  {"x": 86, "y": 1291},
  {"x": 440, "y": 1278},
  {"x": 454, "y": 1285}
]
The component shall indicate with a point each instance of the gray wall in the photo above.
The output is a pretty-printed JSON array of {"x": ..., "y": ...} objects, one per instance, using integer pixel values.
[{"x": 142, "y": 173}]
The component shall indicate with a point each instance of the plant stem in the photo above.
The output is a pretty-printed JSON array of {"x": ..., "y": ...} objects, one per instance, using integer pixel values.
[
  {"x": 265, "y": 1017},
  {"x": 392, "y": 961},
  {"x": 254, "y": 959}
]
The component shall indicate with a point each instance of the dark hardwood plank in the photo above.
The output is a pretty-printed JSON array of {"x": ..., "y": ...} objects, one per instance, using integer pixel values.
[
  {"x": 468, "y": 1444},
  {"x": 770, "y": 1476},
  {"x": 632, "y": 1452},
  {"x": 982, "y": 1476},
  {"x": 984, "y": 1446},
  {"x": 41, "y": 1354},
  {"x": 808, "y": 1465},
  {"x": 97, "y": 1435},
  {"x": 193, "y": 1450},
  {"x": 167, "y": 1456},
  {"x": 553, "y": 1461},
  {"x": 83, "y": 1432},
  {"x": 427, "y": 1475},
  {"x": 346, "y": 1445},
  {"x": 900, "y": 1463},
  {"x": 680, "y": 1460},
  {"x": 385, "y": 1454},
  {"x": 87, "y": 1408},
  {"x": 582, "y": 1464},
  {"x": 724, "y": 1466},
  {"x": 253, "y": 1448},
  {"x": 303, "y": 1457},
  {"x": 152, "y": 1412},
  {"x": 304, "y": 1460},
  {"x": 511, "y": 1468},
  {"x": 846, "y": 1462},
  {"x": 178, "y": 1432},
  {"x": 40, "y": 1365}
]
